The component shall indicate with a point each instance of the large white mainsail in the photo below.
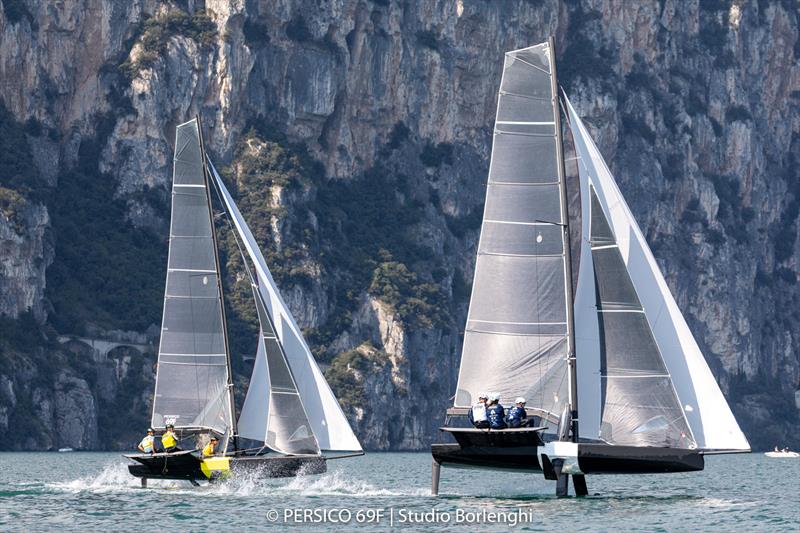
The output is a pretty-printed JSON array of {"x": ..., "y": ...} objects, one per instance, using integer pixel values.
[
  {"x": 517, "y": 339},
  {"x": 328, "y": 423},
  {"x": 712, "y": 424},
  {"x": 192, "y": 378}
]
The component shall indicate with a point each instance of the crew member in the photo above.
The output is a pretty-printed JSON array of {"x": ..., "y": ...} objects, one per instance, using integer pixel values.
[
  {"x": 148, "y": 443},
  {"x": 210, "y": 448},
  {"x": 169, "y": 441},
  {"x": 495, "y": 412},
  {"x": 477, "y": 414},
  {"x": 517, "y": 417}
]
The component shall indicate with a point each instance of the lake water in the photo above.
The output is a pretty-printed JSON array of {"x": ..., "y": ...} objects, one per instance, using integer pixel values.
[{"x": 78, "y": 491}]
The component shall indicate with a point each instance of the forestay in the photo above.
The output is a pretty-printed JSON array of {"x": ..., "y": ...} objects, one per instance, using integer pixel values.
[
  {"x": 281, "y": 340},
  {"x": 192, "y": 374},
  {"x": 642, "y": 377},
  {"x": 516, "y": 340}
]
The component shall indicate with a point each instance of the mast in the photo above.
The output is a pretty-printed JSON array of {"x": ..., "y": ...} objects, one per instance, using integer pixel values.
[
  {"x": 571, "y": 362},
  {"x": 206, "y": 176}
]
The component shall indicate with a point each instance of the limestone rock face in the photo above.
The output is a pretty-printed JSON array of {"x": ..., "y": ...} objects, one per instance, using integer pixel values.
[
  {"x": 693, "y": 104},
  {"x": 25, "y": 253},
  {"x": 75, "y": 413}
]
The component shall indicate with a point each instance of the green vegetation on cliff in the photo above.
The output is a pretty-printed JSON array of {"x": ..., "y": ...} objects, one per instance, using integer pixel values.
[
  {"x": 19, "y": 179},
  {"x": 157, "y": 31},
  {"x": 351, "y": 237}
]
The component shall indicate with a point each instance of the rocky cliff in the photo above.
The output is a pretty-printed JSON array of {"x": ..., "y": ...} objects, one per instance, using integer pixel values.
[{"x": 356, "y": 135}]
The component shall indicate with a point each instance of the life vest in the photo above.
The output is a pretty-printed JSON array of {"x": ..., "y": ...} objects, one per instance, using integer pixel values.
[
  {"x": 479, "y": 413},
  {"x": 168, "y": 440},
  {"x": 515, "y": 416},
  {"x": 147, "y": 443},
  {"x": 496, "y": 415},
  {"x": 208, "y": 451}
]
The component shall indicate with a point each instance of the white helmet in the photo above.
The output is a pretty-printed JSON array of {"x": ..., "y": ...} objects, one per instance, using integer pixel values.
[
  {"x": 520, "y": 399},
  {"x": 494, "y": 397}
]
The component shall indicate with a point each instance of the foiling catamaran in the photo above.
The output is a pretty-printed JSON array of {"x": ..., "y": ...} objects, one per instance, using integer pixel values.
[
  {"x": 289, "y": 416},
  {"x": 619, "y": 353}
]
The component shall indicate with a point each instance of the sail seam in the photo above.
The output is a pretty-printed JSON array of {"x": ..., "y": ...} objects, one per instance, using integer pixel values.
[
  {"x": 517, "y": 58},
  {"x": 175, "y": 297},
  {"x": 524, "y": 134},
  {"x": 529, "y": 97},
  {"x": 524, "y": 184},
  {"x": 522, "y": 223},
  {"x": 190, "y": 364},
  {"x": 524, "y": 123},
  {"x": 497, "y": 254},
  {"x": 192, "y": 354},
  {"x": 627, "y": 376},
  {"x": 518, "y": 323}
]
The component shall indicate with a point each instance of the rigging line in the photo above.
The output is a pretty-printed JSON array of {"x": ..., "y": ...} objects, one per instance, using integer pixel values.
[{"x": 230, "y": 225}]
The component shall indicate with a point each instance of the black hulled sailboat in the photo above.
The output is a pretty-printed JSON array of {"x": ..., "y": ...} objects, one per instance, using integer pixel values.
[
  {"x": 290, "y": 417},
  {"x": 613, "y": 375}
]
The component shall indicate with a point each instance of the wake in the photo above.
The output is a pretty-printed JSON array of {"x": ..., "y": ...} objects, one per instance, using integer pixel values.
[{"x": 115, "y": 478}]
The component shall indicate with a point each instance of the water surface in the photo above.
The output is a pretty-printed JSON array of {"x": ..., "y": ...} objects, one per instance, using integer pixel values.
[{"x": 73, "y": 491}]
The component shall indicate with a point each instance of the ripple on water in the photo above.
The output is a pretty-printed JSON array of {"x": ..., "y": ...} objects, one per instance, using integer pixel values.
[{"x": 733, "y": 493}]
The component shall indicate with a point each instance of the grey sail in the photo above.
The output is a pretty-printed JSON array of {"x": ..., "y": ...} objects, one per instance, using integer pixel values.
[
  {"x": 639, "y": 406},
  {"x": 516, "y": 340},
  {"x": 287, "y": 429},
  {"x": 192, "y": 375}
]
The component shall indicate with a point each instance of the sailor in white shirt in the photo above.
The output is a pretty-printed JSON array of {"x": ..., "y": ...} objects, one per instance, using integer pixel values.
[{"x": 477, "y": 414}]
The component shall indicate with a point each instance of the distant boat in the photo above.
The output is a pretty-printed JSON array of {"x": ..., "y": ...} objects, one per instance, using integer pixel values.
[
  {"x": 775, "y": 454},
  {"x": 65, "y": 450},
  {"x": 620, "y": 352},
  {"x": 290, "y": 416}
]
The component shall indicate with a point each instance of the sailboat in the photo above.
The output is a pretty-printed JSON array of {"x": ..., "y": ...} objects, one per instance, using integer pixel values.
[
  {"x": 619, "y": 352},
  {"x": 290, "y": 418}
]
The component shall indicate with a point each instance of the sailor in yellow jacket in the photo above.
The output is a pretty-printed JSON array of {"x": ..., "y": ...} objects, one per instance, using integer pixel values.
[
  {"x": 169, "y": 441},
  {"x": 148, "y": 443},
  {"x": 210, "y": 449}
]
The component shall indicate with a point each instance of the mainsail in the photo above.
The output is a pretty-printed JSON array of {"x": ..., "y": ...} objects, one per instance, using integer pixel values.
[
  {"x": 289, "y": 405},
  {"x": 642, "y": 377},
  {"x": 517, "y": 338},
  {"x": 192, "y": 381}
]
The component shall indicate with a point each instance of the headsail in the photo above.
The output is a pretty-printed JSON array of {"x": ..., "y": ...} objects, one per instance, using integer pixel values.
[
  {"x": 288, "y": 428},
  {"x": 516, "y": 341},
  {"x": 328, "y": 424},
  {"x": 655, "y": 380},
  {"x": 192, "y": 374}
]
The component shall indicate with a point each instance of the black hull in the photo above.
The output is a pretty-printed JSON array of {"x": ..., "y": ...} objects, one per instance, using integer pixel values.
[
  {"x": 605, "y": 459},
  {"x": 510, "y": 450},
  {"x": 522, "y": 459},
  {"x": 186, "y": 466}
]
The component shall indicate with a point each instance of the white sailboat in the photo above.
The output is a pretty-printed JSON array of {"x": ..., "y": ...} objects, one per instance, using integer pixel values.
[
  {"x": 619, "y": 352},
  {"x": 289, "y": 412}
]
